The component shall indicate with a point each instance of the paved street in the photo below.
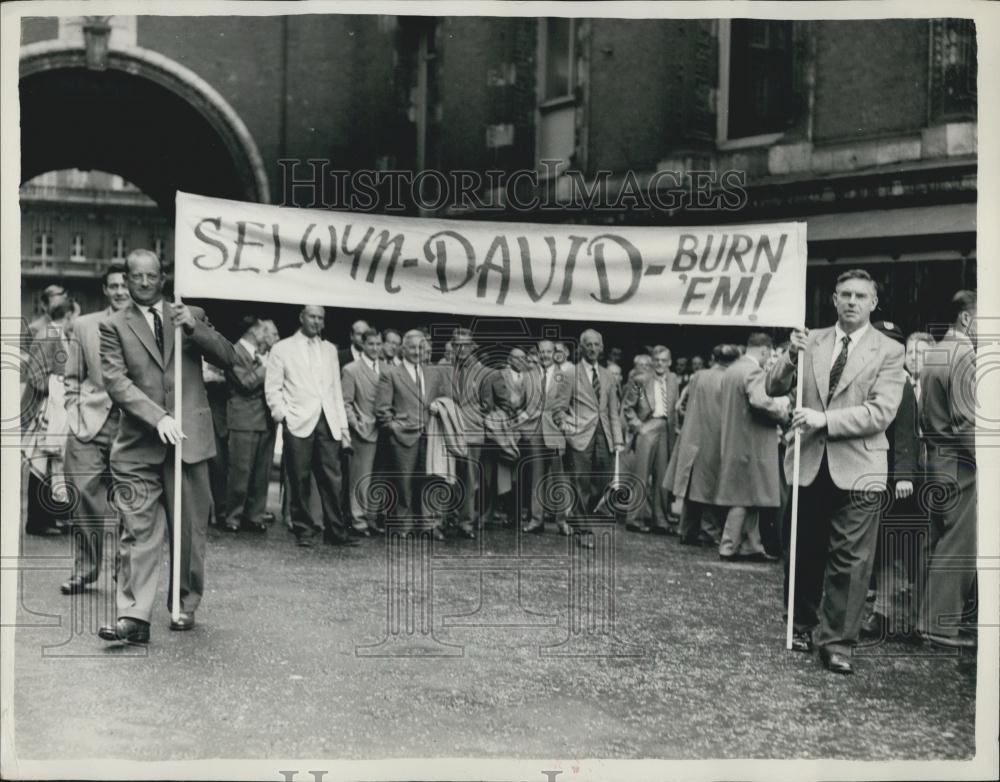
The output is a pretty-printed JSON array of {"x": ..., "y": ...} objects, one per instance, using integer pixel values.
[{"x": 274, "y": 669}]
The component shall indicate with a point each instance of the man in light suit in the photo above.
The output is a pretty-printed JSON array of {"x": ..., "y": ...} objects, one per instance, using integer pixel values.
[
  {"x": 649, "y": 408},
  {"x": 93, "y": 423},
  {"x": 360, "y": 381},
  {"x": 137, "y": 353},
  {"x": 748, "y": 472},
  {"x": 403, "y": 405},
  {"x": 948, "y": 422},
  {"x": 251, "y": 430},
  {"x": 518, "y": 378},
  {"x": 547, "y": 396},
  {"x": 593, "y": 426},
  {"x": 302, "y": 389},
  {"x": 852, "y": 386}
]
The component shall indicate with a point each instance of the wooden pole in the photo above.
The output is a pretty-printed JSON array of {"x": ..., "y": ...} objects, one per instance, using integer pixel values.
[
  {"x": 175, "y": 561},
  {"x": 794, "y": 538}
]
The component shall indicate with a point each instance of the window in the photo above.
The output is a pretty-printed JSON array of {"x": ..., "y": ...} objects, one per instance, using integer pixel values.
[
  {"x": 160, "y": 248},
  {"x": 77, "y": 248},
  {"x": 557, "y": 79},
  {"x": 953, "y": 69},
  {"x": 755, "y": 85},
  {"x": 43, "y": 245},
  {"x": 120, "y": 250}
]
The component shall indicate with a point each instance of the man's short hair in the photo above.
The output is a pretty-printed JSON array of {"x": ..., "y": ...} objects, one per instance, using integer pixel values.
[
  {"x": 460, "y": 332},
  {"x": 248, "y": 322},
  {"x": 369, "y": 333},
  {"x": 52, "y": 290},
  {"x": 659, "y": 349},
  {"x": 387, "y": 332},
  {"x": 759, "y": 339},
  {"x": 920, "y": 336},
  {"x": 856, "y": 274},
  {"x": 141, "y": 252},
  {"x": 725, "y": 354},
  {"x": 963, "y": 301},
  {"x": 414, "y": 334},
  {"x": 115, "y": 268}
]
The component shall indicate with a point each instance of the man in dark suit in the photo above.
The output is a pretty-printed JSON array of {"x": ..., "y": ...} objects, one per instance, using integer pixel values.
[
  {"x": 851, "y": 390},
  {"x": 547, "y": 394},
  {"x": 360, "y": 380},
  {"x": 392, "y": 342},
  {"x": 355, "y": 349},
  {"x": 948, "y": 422},
  {"x": 649, "y": 409},
  {"x": 137, "y": 353},
  {"x": 92, "y": 420},
  {"x": 251, "y": 430},
  {"x": 593, "y": 427},
  {"x": 403, "y": 405}
]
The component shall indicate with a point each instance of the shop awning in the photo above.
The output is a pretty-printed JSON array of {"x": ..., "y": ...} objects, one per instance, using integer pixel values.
[{"x": 884, "y": 223}]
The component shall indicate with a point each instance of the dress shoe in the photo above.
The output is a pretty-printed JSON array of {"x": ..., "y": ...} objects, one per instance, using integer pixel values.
[
  {"x": 360, "y": 532},
  {"x": 75, "y": 586},
  {"x": 728, "y": 557},
  {"x": 802, "y": 642},
  {"x": 338, "y": 539},
  {"x": 758, "y": 556},
  {"x": 564, "y": 529},
  {"x": 268, "y": 518},
  {"x": 641, "y": 528},
  {"x": 586, "y": 540},
  {"x": 184, "y": 621},
  {"x": 437, "y": 534},
  {"x": 950, "y": 641},
  {"x": 465, "y": 532},
  {"x": 44, "y": 532},
  {"x": 126, "y": 630},
  {"x": 534, "y": 528},
  {"x": 873, "y": 627},
  {"x": 303, "y": 541},
  {"x": 257, "y": 527},
  {"x": 376, "y": 528},
  {"x": 659, "y": 530},
  {"x": 231, "y": 526},
  {"x": 835, "y": 662}
]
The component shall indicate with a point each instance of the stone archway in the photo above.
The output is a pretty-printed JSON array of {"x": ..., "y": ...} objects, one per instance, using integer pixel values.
[{"x": 143, "y": 116}]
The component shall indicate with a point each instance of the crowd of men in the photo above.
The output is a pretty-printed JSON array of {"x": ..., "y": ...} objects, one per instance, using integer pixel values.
[{"x": 378, "y": 435}]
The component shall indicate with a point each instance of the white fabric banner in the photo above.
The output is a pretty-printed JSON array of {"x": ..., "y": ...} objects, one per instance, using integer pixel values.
[{"x": 733, "y": 275}]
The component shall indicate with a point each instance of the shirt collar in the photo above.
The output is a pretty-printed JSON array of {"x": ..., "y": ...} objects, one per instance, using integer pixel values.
[
  {"x": 158, "y": 307},
  {"x": 317, "y": 339},
  {"x": 412, "y": 368},
  {"x": 249, "y": 347},
  {"x": 356, "y": 353},
  {"x": 855, "y": 337}
]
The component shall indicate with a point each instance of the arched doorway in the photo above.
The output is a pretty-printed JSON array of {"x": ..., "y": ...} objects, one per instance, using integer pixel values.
[{"x": 144, "y": 116}]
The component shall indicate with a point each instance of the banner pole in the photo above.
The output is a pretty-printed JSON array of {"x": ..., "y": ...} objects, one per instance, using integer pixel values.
[
  {"x": 794, "y": 538},
  {"x": 175, "y": 562}
]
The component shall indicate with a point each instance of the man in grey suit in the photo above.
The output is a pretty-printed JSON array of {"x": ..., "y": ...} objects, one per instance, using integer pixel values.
[
  {"x": 593, "y": 426},
  {"x": 359, "y": 381},
  {"x": 852, "y": 387},
  {"x": 252, "y": 431},
  {"x": 137, "y": 353},
  {"x": 948, "y": 422},
  {"x": 93, "y": 423}
]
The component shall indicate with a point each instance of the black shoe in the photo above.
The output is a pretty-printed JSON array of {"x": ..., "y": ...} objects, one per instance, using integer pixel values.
[
  {"x": 231, "y": 526},
  {"x": 835, "y": 662},
  {"x": 641, "y": 528},
  {"x": 303, "y": 541},
  {"x": 376, "y": 528},
  {"x": 75, "y": 586},
  {"x": 534, "y": 528},
  {"x": 759, "y": 556},
  {"x": 950, "y": 641},
  {"x": 802, "y": 642},
  {"x": 256, "y": 527},
  {"x": 337, "y": 539},
  {"x": 184, "y": 621},
  {"x": 360, "y": 532},
  {"x": 437, "y": 534},
  {"x": 126, "y": 630},
  {"x": 465, "y": 532},
  {"x": 564, "y": 529},
  {"x": 873, "y": 627},
  {"x": 661, "y": 531},
  {"x": 44, "y": 532},
  {"x": 728, "y": 557}
]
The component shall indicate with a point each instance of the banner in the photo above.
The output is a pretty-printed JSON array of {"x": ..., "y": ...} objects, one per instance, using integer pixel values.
[{"x": 733, "y": 275}]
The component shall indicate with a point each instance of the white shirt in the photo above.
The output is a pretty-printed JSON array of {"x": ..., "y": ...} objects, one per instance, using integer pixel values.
[
  {"x": 249, "y": 347},
  {"x": 373, "y": 365},
  {"x": 547, "y": 373},
  {"x": 839, "y": 335},
  {"x": 144, "y": 308},
  {"x": 591, "y": 369},
  {"x": 415, "y": 373},
  {"x": 660, "y": 394}
]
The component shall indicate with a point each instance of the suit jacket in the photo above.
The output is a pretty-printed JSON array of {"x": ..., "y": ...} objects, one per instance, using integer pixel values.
[
  {"x": 477, "y": 390},
  {"x": 639, "y": 400},
  {"x": 400, "y": 408},
  {"x": 863, "y": 405},
  {"x": 246, "y": 409},
  {"x": 905, "y": 461},
  {"x": 748, "y": 474},
  {"x": 141, "y": 382},
  {"x": 88, "y": 404},
  {"x": 586, "y": 411},
  {"x": 360, "y": 384},
  {"x": 693, "y": 470},
  {"x": 298, "y": 392},
  {"x": 516, "y": 397},
  {"x": 544, "y": 413},
  {"x": 948, "y": 409},
  {"x": 46, "y": 356},
  {"x": 345, "y": 356}
]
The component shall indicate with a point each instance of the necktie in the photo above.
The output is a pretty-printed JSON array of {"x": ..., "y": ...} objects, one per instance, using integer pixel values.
[
  {"x": 838, "y": 367},
  {"x": 420, "y": 382},
  {"x": 545, "y": 385},
  {"x": 661, "y": 395},
  {"x": 596, "y": 382},
  {"x": 157, "y": 329}
]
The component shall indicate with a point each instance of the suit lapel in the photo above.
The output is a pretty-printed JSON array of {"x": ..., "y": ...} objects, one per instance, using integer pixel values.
[
  {"x": 138, "y": 324},
  {"x": 859, "y": 357},
  {"x": 168, "y": 334},
  {"x": 409, "y": 382},
  {"x": 821, "y": 360}
]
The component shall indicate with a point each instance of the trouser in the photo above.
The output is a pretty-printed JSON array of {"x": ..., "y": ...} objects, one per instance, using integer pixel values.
[
  {"x": 741, "y": 533},
  {"x": 362, "y": 465},
  {"x": 315, "y": 455},
  {"x": 88, "y": 468},
  {"x": 250, "y": 455},
  {"x": 652, "y": 452},
  {"x": 900, "y": 555},
  {"x": 144, "y": 495},
  {"x": 700, "y": 520},
  {"x": 407, "y": 465},
  {"x": 550, "y": 487},
  {"x": 837, "y": 531},
  {"x": 951, "y": 569},
  {"x": 477, "y": 475},
  {"x": 590, "y": 470}
]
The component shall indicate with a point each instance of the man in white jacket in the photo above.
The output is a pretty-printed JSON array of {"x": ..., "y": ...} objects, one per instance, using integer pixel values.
[{"x": 302, "y": 388}]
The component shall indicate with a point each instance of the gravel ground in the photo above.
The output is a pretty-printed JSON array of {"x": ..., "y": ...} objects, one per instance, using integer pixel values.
[{"x": 698, "y": 668}]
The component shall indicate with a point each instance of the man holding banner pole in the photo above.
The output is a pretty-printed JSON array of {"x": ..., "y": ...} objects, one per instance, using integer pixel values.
[
  {"x": 851, "y": 388},
  {"x": 138, "y": 347}
]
